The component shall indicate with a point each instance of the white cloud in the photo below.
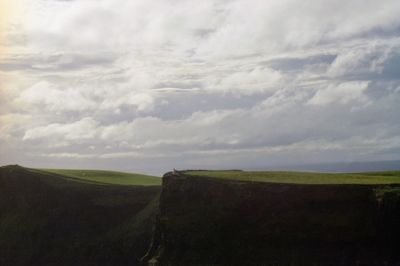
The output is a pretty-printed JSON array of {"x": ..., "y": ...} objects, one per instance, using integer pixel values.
[
  {"x": 340, "y": 94},
  {"x": 65, "y": 155},
  {"x": 217, "y": 28},
  {"x": 142, "y": 101},
  {"x": 51, "y": 98},
  {"x": 11, "y": 123},
  {"x": 207, "y": 80},
  {"x": 81, "y": 130},
  {"x": 273, "y": 26},
  {"x": 249, "y": 82},
  {"x": 360, "y": 60}
]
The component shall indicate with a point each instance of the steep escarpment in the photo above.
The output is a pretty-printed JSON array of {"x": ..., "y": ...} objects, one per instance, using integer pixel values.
[{"x": 209, "y": 221}]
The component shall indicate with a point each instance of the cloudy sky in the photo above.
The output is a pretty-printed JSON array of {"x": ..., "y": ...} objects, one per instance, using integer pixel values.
[{"x": 150, "y": 85}]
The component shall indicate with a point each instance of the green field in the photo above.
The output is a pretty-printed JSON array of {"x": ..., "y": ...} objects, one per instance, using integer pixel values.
[
  {"x": 373, "y": 178},
  {"x": 105, "y": 177}
]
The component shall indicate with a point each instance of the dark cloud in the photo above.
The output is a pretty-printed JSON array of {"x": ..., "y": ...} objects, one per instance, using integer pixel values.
[{"x": 391, "y": 68}]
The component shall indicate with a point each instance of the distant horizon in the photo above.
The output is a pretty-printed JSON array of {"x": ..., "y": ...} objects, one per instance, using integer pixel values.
[{"x": 327, "y": 167}]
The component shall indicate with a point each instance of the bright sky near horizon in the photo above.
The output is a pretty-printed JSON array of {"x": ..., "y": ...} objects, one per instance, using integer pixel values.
[{"x": 150, "y": 85}]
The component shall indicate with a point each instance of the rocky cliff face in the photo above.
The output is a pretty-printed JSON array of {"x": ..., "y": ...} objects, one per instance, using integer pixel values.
[{"x": 205, "y": 221}]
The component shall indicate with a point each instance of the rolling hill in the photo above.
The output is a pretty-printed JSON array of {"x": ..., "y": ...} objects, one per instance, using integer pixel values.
[
  {"x": 55, "y": 219},
  {"x": 103, "y": 177}
]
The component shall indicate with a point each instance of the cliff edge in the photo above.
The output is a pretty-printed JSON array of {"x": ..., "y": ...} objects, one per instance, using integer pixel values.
[{"x": 209, "y": 221}]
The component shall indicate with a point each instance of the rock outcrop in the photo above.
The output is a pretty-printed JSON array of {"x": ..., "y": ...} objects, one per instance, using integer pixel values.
[{"x": 207, "y": 221}]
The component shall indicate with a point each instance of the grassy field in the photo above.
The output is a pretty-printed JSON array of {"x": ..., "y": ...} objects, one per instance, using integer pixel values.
[
  {"x": 105, "y": 177},
  {"x": 389, "y": 177}
]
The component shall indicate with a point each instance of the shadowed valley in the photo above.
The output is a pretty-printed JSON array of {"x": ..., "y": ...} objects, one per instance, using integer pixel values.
[{"x": 52, "y": 219}]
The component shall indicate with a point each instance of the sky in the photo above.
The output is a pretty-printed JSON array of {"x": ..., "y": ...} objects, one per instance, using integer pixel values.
[{"x": 148, "y": 86}]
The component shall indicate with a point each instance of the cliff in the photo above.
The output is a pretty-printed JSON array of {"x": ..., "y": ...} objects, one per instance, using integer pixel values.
[{"x": 209, "y": 221}]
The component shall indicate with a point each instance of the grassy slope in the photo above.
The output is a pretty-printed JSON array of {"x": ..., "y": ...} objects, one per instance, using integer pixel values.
[
  {"x": 105, "y": 177},
  {"x": 47, "y": 219},
  {"x": 373, "y": 178}
]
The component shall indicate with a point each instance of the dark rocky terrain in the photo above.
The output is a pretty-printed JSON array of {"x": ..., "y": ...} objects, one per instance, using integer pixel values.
[
  {"x": 50, "y": 220},
  {"x": 208, "y": 221}
]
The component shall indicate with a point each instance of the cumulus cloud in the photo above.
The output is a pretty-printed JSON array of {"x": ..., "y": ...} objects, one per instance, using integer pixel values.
[
  {"x": 47, "y": 96},
  {"x": 211, "y": 84},
  {"x": 77, "y": 131},
  {"x": 340, "y": 94}
]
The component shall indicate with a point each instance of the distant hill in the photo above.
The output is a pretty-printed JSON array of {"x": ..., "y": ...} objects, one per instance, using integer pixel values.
[{"x": 63, "y": 218}]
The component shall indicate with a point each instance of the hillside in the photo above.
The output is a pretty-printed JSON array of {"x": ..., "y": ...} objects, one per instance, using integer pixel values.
[
  {"x": 54, "y": 219},
  {"x": 104, "y": 177},
  {"x": 278, "y": 218}
]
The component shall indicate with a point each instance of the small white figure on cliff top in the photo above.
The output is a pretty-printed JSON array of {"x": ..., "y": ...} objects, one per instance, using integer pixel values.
[{"x": 174, "y": 171}]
